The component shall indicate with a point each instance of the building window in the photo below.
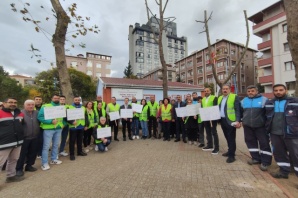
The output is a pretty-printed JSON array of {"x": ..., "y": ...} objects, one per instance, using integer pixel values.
[
  {"x": 138, "y": 42},
  {"x": 209, "y": 68},
  {"x": 220, "y": 64},
  {"x": 285, "y": 27},
  {"x": 89, "y": 73},
  {"x": 232, "y": 52},
  {"x": 200, "y": 70},
  {"x": 169, "y": 40},
  {"x": 140, "y": 32},
  {"x": 74, "y": 64},
  {"x": 200, "y": 81},
  {"x": 139, "y": 54},
  {"x": 89, "y": 63},
  {"x": 98, "y": 65},
  {"x": 289, "y": 66},
  {"x": 139, "y": 60},
  {"x": 220, "y": 76},
  {"x": 286, "y": 47},
  {"x": 98, "y": 74}
]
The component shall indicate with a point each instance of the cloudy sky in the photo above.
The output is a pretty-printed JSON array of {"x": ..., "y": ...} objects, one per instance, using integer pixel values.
[{"x": 113, "y": 18}]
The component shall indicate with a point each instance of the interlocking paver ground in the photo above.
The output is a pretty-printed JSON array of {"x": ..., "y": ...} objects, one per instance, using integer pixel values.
[{"x": 152, "y": 168}]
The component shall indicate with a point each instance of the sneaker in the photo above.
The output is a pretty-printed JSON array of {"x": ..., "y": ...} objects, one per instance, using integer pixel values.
[
  {"x": 56, "y": 162},
  {"x": 45, "y": 167},
  {"x": 96, "y": 148},
  {"x": 106, "y": 149},
  {"x": 201, "y": 145},
  {"x": 264, "y": 167},
  {"x": 195, "y": 143},
  {"x": 90, "y": 148},
  {"x": 86, "y": 150},
  {"x": 189, "y": 142},
  {"x": 63, "y": 153},
  {"x": 253, "y": 161},
  {"x": 279, "y": 175},
  {"x": 214, "y": 152},
  {"x": 138, "y": 137},
  {"x": 38, "y": 157},
  {"x": 207, "y": 148},
  {"x": 133, "y": 137},
  {"x": 14, "y": 179}
]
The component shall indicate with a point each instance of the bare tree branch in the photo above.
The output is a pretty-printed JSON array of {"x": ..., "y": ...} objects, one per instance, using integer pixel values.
[{"x": 163, "y": 11}]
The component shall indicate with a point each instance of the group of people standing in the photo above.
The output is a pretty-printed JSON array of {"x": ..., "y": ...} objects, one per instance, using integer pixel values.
[{"x": 26, "y": 134}]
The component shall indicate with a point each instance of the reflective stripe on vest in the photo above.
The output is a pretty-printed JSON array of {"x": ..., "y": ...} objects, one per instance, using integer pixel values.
[
  {"x": 166, "y": 113},
  {"x": 230, "y": 106},
  {"x": 144, "y": 115},
  {"x": 153, "y": 108}
]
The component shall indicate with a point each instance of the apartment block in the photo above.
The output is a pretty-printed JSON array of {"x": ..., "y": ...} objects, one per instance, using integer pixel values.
[
  {"x": 275, "y": 65},
  {"x": 144, "y": 51},
  {"x": 196, "y": 69},
  {"x": 156, "y": 74},
  {"x": 22, "y": 80},
  {"x": 94, "y": 65}
]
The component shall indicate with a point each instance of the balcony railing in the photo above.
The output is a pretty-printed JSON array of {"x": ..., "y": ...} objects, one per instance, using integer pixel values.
[
  {"x": 266, "y": 61},
  {"x": 264, "y": 45},
  {"x": 266, "y": 79}
]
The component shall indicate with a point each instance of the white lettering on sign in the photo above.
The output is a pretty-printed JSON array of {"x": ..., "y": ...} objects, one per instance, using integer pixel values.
[{"x": 127, "y": 93}]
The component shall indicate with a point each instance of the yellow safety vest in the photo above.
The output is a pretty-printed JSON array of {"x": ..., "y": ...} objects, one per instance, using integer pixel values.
[
  {"x": 230, "y": 106},
  {"x": 166, "y": 114}
]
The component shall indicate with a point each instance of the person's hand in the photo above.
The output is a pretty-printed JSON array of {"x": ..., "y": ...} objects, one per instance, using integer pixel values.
[
  {"x": 74, "y": 123},
  {"x": 54, "y": 122},
  {"x": 237, "y": 124},
  {"x": 85, "y": 128},
  {"x": 195, "y": 117}
]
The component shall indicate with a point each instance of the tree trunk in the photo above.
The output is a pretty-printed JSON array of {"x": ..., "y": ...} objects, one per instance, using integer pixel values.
[
  {"x": 292, "y": 16},
  {"x": 164, "y": 68},
  {"x": 59, "y": 43}
]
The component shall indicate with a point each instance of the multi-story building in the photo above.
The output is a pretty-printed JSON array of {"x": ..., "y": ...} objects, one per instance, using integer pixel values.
[
  {"x": 196, "y": 70},
  {"x": 275, "y": 66},
  {"x": 22, "y": 80},
  {"x": 156, "y": 74},
  {"x": 94, "y": 65},
  {"x": 144, "y": 51}
]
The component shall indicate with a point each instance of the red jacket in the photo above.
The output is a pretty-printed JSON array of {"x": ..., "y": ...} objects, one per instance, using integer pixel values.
[{"x": 11, "y": 128}]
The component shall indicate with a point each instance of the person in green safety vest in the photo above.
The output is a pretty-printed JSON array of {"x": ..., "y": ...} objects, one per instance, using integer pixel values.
[
  {"x": 100, "y": 111},
  {"x": 90, "y": 124},
  {"x": 135, "y": 121},
  {"x": 101, "y": 143},
  {"x": 229, "y": 106},
  {"x": 99, "y": 100},
  {"x": 210, "y": 126},
  {"x": 144, "y": 119},
  {"x": 152, "y": 122},
  {"x": 38, "y": 104},
  {"x": 76, "y": 131},
  {"x": 113, "y": 107},
  {"x": 165, "y": 114}
]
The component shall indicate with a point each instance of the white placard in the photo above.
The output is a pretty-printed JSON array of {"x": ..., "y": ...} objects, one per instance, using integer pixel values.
[
  {"x": 191, "y": 110},
  {"x": 104, "y": 132},
  {"x": 121, "y": 94},
  {"x": 198, "y": 107},
  {"x": 75, "y": 114},
  {"x": 126, "y": 113},
  {"x": 54, "y": 112},
  {"x": 114, "y": 115},
  {"x": 181, "y": 112},
  {"x": 210, "y": 113},
  {"x": 137, "y": 108}
]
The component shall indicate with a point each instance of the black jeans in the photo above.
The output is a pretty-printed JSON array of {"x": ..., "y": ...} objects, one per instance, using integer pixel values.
[
  {"x": 87, "y": 136},
  {"x": 126, "y": 124},
  {"x": 152, "y": 122},
  {"x": 166, "y": 127},
  {"x": 201, "y": 136},
  {"x": 28, "y": 153},
  {"x": 75, "y": 135},
  {"x": 211, "y": 132},
  {"x": 180, "y": 129},
  {"x": 192, "y": 134},
  {"x": 114, "y": 125},
  {"x": 40, "y": 142},
  {"x": 230, "y": 135}
]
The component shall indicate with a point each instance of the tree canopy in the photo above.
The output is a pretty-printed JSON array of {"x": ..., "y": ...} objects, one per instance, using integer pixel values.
[{"x": 128, "y": 73}]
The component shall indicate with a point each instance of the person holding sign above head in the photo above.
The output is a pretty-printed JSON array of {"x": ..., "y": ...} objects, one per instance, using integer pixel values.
[
  {"x": 191, "y": 124},
  {"x": 91, "y": 122},
  {"x": 229, "y": 106},
  {"x": 76, "y": 127},
  {"x": 165, "y": 114},
  {"x": 135, "y": 121},
  {"x": 114, "y": 107},
  {"x": 212, "y": 137},
  {"x": 52, "y": 131},
  {"x": 144, "y": 119},
  {"x": 178, "y": 120},
  {"x": 103, "y": 142},
  {"x": 152, "y": 121},
  {"x": 126, "y": 122}
]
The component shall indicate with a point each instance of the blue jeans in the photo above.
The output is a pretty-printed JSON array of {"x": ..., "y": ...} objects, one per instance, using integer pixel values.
[
  {"x": 101, "y": 146},
  {"x": 144, "y": 125},
  {"x": 53, "y": 135},
  {"x": 64, "y": 135},
  {"x": 135, "y": 126}
]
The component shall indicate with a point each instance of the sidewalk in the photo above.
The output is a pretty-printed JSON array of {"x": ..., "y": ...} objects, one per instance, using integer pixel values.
[{"x": 153, "y": 168}]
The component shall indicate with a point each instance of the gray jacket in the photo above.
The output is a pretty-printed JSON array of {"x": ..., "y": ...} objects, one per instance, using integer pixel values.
[{"x": 31, "y": 124}]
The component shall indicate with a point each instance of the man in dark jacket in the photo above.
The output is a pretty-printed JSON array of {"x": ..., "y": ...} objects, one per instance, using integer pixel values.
[
  {"x": 11, "y": 137},
  {"x": 282, "y": 124},
  {"x": 180, "y": 129},
  {"x": 255, "y": 134},
  {"x": 31, "y": 133},
  {"x": 126, "y": 122}
]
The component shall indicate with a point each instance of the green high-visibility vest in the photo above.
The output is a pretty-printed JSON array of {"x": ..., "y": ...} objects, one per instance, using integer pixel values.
[
  {"x": 144, "y": 115},
  {"x": 78, "y": 121},
  {"x": 209, "y": 103},
  {"x": 97, "y": 141},
  {"x": 103, "y": 111},
  {"x": 59, "y": 124},
  {"x": 95, "y": 103},
  {"x": 230, "y": 106},
  {"x": 199, "y": 119},
  {"x": 135, "y": 115},
  {"x": 113, "y": 108},
  {"x": 91, "y": 118},
  {"x": 153, "y": 108},
  {"x": 166, "y": 114}
]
